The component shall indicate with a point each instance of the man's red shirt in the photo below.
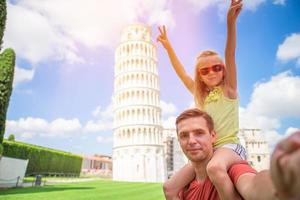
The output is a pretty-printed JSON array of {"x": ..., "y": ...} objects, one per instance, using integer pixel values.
[{"x": 206, "y": 190}]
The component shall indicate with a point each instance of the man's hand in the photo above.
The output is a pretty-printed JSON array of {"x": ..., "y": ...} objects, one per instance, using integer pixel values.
[
  {"x": 234, "y": 11},
  {"x": 285, "y": 171},
  {"x": 163, "y": 38}
]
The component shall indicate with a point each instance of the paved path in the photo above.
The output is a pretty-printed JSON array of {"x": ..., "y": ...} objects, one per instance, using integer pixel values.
[{"x": 58, "y": 181}]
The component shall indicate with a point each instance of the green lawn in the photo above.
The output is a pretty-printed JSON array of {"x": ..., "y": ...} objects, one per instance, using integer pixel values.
[{"x": 94, "y": 190}]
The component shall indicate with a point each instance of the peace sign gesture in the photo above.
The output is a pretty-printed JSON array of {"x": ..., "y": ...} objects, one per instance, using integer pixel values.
[{"x": 163, "y": 38}]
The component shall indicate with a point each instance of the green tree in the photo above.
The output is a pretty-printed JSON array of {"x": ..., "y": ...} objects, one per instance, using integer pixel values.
[
  {"x": 11, "y": 137},
  {"x": 7, "y": 64},
  {"x": 2, "y": 19}
]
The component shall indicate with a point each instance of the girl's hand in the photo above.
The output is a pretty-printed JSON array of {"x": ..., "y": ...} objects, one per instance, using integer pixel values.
[
  {"x": 163, "y": 38},
  {"x": 234, "y": 10}
]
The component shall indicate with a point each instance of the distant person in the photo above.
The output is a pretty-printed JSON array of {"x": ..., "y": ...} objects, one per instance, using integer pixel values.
[
  {"x": 196, "y": 135},
  {"x": 215, "y": 91},
  {"x": 285, "y": 168}
]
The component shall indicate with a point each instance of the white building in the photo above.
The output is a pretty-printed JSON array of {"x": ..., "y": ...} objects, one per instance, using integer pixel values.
[
  {"x": 257, "y": 148},
  {"x": 97, "y": 165},
  {"x": 175, "y": 158},
  {"x": 138, "y": 151}
]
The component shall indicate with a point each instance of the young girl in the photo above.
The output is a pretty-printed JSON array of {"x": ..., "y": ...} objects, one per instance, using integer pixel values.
[{"x": 215, "y": 91}]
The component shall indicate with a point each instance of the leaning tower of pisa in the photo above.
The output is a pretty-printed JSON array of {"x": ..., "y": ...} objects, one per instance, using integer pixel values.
[{"x": 138, "y": 153}]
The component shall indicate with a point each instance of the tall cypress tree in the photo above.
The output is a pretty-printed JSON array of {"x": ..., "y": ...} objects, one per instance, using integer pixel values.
[
  {"x": 2, "y": 20},
  {"x": 7, "y": 64}
]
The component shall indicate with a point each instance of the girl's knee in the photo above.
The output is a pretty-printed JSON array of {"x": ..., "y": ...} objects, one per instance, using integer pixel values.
[
  {"x": 169, "y": 191},
  {"x": 216, "y": 171}
]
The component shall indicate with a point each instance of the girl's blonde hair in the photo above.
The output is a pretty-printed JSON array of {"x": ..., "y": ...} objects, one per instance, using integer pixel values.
[{"x": 201, "y": 90}]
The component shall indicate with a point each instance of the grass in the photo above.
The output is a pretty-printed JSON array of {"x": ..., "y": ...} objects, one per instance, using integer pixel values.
[{"x": 93, "y": 190}]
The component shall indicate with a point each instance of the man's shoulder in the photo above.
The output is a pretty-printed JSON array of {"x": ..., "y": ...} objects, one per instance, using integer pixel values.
[{"x": 240, "y": 168}]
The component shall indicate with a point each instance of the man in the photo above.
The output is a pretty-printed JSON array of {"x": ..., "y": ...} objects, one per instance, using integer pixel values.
[
  {"x": 285, "y": 171},
  {"x": 196, "y": 136}
]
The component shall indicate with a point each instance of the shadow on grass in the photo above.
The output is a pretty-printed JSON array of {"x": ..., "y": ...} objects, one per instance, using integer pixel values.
[{"x": 41, "y": 189}]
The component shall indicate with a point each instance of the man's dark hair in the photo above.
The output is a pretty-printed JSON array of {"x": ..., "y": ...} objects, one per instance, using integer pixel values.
[{"x": 196, "y": 112}]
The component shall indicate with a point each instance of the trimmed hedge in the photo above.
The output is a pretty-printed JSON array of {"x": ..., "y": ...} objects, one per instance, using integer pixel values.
[{"x": 42, "y": 159}]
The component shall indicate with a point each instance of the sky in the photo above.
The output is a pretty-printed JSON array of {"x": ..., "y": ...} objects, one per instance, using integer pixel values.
[{"x": 63, "y": 84}]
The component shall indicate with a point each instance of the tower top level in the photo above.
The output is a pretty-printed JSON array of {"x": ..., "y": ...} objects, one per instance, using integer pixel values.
[{"x": 136, "y": 32}]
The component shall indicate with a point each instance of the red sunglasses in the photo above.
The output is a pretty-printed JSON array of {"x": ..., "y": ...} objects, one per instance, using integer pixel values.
[{"x": 214, "y": 68}]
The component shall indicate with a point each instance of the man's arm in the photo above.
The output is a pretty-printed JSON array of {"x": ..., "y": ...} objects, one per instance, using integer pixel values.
[
  {"x": 285, "y": 170},
  {"x": 250, "y": 184},
  {"x": 282, "y": 181},
  {"x": 256, "y": 186}
]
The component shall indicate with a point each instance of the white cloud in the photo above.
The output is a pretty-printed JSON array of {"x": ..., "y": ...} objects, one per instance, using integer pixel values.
[
  {"x": 97, "y": 126},
  {"x": 170, "y": 113},
  {"x": 103, "y": 121},
  {"x": 289, "y": 49},
  {"x": 105, "y": 114},
  {"x": 26, "y": 128},
  {"x": 30, "y": 127},
  {"x": 291, "y": 130},
  {"x": 278, "y": 97},
  {"x": 101, "y": 139},
  {"x": 252, "y": 4},
  {"x": 273, "y": 137},
  {"x": 53, "y": 32},
  {"x": 162, "y": 17},
  {"x": 22, "y": 75},
  {"x": 97, "y": 111},
  {"x": 169, "y": 122},
  {"x": 63, "y": 127},
  {"x": 251, "y": 119},
  {"x": 36, "y": 40},
  {"x": 167, "y": 108},
  {"x": 54, "y": 29},
  {"x": 152, "y": 11},
  {"x": 201, "y": 5},
  {"x": 272, "y": 101},
  {"x": 68, "y": 129}
]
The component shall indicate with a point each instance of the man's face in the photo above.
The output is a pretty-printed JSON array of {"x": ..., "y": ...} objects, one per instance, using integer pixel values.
[{"x": 195, "y": 139}]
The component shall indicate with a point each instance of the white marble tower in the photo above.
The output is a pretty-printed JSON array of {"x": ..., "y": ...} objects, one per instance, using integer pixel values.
[{"x": 138, "y": 151}]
